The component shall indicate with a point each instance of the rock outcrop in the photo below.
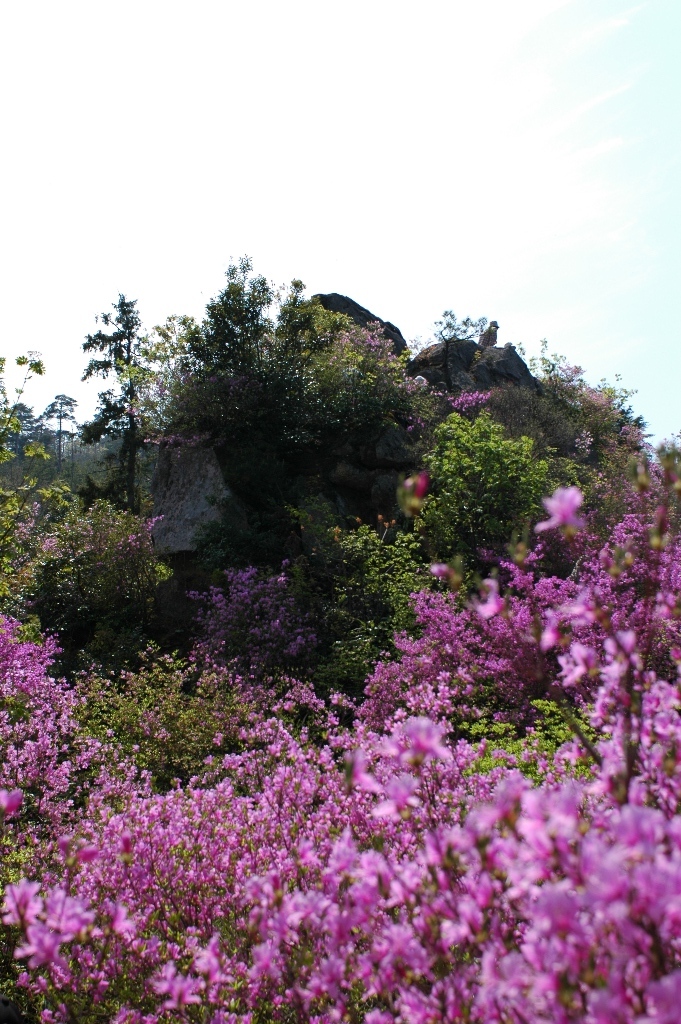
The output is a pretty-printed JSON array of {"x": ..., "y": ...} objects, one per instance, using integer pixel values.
[
  {"x": 362, "y": 317},
  {"x": 466, "y": 366},
  {"x": 366, "y": 479},
  {"x": 189, "y": 491}
]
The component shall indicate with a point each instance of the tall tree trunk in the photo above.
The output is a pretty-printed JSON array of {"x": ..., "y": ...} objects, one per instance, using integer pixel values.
[
  {"x": 59, "y": 447},
  {"x": 132, "y": 452}
]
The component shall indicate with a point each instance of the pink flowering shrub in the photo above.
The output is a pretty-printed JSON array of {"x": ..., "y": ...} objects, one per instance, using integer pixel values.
[
  {"x": 374, "y": 864},
  {"x": 42, "y": 750},
  {"x": 253, "y": 625},
  {"x": 468, "y": 403}
]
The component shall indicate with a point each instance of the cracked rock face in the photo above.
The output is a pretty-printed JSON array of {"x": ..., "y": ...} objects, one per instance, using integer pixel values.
[
  {"x": 391, "y": 449},
  {"x": 189, "y": 491}
]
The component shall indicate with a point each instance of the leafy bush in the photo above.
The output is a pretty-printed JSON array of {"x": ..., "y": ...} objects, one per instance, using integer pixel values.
[
  {"x": 485, "y": 485},
  {"x": 94, "y": 583},
  {"x": 364, "y": 597},
  {"x": 168, "y": 717}
]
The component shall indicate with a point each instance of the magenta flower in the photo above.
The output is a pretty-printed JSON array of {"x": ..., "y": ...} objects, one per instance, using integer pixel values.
[
  {"x": 120, "y": 922},
  {"x": 10, "y": 801},
  {"x": 583, "y": 610},
  {"x": 207, "y": 961},
  {"x": 68, "y": 916},
  {"x": 86, "y": 854},
  {"x": 43, "y": 946},
  {"x": 22, "y": 903},
  {"x": 579, "y": 662},
  {"x": 264, "y": 965},
  {"x": 358, "y": 774},
  {"x": 550, "y": 634},
  {"x": 400, "y": 791},
  {"x": 181, "y": 991},
  {"x": 562, "y": 508},
  {"x": 493, "y": 603},
  {"x": 420, "y": 741}
]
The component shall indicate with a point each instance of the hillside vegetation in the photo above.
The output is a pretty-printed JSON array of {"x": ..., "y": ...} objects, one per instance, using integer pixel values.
[{"x": 409, "y": 751}]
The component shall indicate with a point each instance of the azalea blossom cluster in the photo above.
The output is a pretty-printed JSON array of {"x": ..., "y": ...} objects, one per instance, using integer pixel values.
[
  {"x": 43, "y": 753},
  {"x": 469, "y": 402},
  {"x": 252, "y": 623},
  {"x": 377, "y": 863}
]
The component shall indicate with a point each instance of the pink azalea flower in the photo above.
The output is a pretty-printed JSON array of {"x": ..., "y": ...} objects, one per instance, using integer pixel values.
[
  {"x": 550, "y": 635},
  {"x": 120, "y": 922},
  {"x": 580, "y": 661},
  {"x": 181, "y": 991},
  {"x": 68, "y": 916},
  {"x": 401, "y": 797},
  {"x": 10, "y": 801},
  {"x": 423, "y": 741},
  {"x": 263, "y": 961},
  {"x": 493, "y": 603},
  {"x": 358, "y": 774},
  {"x": 562, "y": 508},
  {"x": 42, "y": 946},
  {"x": 583, "y": 610},
  {"x": 86, "y": 854},
  {"x": 22, "y": 903},
  {"x": 207, "y": 961}
]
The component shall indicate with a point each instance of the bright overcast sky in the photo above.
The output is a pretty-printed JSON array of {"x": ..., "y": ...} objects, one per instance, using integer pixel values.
[{"x": 514, "y": 159}]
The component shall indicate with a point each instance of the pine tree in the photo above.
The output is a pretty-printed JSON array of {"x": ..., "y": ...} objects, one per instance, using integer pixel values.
[
  {"x": 117, "y": 414},
  {"x": 62, "y": 410}
]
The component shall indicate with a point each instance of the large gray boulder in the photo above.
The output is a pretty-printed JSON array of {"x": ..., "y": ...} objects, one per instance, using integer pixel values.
[
  {"x": 466, "y": 366},
  {"x": 336, "y": 303},
  {"x": 189, "y": 491},
  {"x": 498, "y": 366}
]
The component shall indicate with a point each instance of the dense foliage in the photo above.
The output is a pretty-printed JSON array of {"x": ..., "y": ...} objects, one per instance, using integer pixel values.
[
  {"x": 387, "y": 868},
  {"x": 485, "y": 486},
  {"x": 94, "y": 580},
  {"x": 370, "y": 785}
]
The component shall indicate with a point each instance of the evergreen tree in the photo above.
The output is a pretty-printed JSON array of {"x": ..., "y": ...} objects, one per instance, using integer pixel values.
[
  {"x": 118, "y": 414},
  {"x": 61, "y": 410}
]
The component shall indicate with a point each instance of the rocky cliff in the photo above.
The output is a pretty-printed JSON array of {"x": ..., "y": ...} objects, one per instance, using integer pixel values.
[{"x": 189, "y": 491}]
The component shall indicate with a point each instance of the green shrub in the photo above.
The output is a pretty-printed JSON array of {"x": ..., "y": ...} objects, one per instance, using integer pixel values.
[
  {"x": 532, "y": 752},
  {"x": 168, "y": 718},
  {"x": 485, "y": 486},
  {"x": 361, "y": 593}
]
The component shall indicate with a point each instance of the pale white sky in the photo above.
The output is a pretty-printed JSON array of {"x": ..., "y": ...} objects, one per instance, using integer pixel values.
[{"x": 516, "y": 160}]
